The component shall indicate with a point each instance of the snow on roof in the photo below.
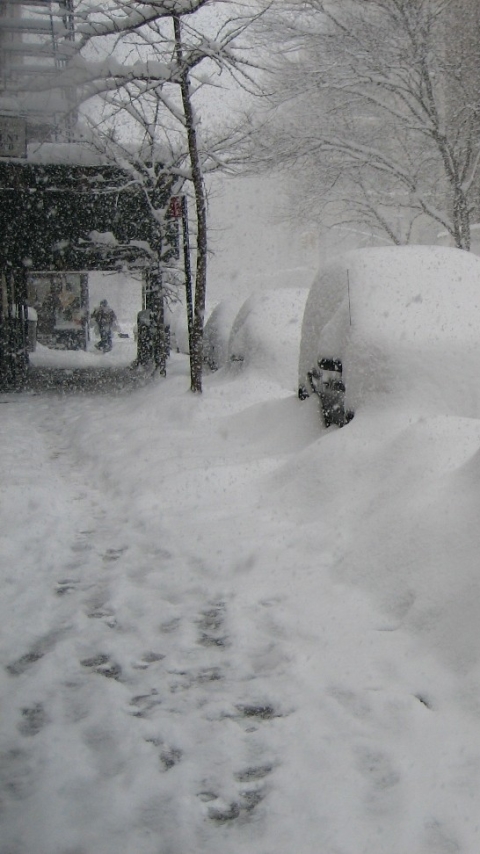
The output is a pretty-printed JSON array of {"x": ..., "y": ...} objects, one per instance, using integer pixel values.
[{"x": 64, "y": 153}]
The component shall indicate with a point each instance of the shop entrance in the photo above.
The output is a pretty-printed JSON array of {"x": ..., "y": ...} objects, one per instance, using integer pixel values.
[{"x": 60, "y": 302}]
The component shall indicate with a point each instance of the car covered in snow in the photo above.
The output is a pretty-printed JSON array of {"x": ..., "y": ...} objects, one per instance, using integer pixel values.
[
  {"x": 398, "y": 323},
  {"x": 266, "y": 332},
  {"x": 217, "y": 332}
]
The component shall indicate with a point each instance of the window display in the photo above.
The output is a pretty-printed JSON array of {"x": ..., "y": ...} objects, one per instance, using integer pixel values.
[{"x": 61, "y": 302}]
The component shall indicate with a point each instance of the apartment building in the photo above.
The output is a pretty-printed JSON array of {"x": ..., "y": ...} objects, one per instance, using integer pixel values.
[{"x": 36, "y": 39}]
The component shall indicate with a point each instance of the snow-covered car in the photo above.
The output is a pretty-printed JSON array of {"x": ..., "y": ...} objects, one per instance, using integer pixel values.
[
  {"x": 217, "y": 332},
  {"x": 266, "y": 333},
  {"x": 393, "y": 325}
]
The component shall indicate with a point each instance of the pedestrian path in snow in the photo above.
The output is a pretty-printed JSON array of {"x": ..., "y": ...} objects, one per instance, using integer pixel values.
[{"x": 134, "y": 702}]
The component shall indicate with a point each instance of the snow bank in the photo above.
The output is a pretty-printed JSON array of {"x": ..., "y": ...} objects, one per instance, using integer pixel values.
[
  {"x": 123, "y": 353},
  {"x": 224, "y": 630}
]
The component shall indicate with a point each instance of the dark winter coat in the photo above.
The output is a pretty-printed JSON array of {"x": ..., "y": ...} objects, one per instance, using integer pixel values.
[{"x": 105, "y": 318}]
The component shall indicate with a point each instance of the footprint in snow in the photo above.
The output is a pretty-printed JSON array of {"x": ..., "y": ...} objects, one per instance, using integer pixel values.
[
  {"x": 252, "y": 793},
  {"x": 102, "y": 665},
  {"x": 185, "y": 679},
  {"x": 169, "y": 756},
  {"x": 35, "y": 654},
  {"x": 222, "y": 812},
  {"x": 148, "y": 659},
  {"x": 66, "y": 585},
  {"x": 144, "y": 703},
  {"x": 33, "y": 720},
  {"x": 211, "y": 625},
  {"x": 113, "y": 554}
]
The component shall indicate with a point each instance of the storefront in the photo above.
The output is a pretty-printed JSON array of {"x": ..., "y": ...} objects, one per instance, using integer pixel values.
[
  {"x": 60, "y": 300},
  {"x": 53, "y": 222}
]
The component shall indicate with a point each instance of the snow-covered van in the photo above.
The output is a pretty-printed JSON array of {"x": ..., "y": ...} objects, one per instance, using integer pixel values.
[{"x": 393, "y": 326}]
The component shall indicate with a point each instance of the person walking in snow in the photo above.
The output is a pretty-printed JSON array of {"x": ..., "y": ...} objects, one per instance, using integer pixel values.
[{"x": 106, "y": 320}]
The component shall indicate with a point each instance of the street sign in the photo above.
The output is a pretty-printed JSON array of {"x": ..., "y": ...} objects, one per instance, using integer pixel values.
[
  {"x": 13, "y": 136},
  {"x": 175, "y": 207}
]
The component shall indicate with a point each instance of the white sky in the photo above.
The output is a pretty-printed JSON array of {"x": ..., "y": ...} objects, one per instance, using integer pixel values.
[{"x": 252, "y": 248}]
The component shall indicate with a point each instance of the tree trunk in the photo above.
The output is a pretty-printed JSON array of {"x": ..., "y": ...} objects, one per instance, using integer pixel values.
[
  {"x": 196, "y": 343},
  {"x": 156, "y": 304}
]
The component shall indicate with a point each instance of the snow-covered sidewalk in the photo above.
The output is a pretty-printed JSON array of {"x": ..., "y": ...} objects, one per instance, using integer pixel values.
[
  {"x": 197, "y": 655},
  {"x": 134, "y": 707}
]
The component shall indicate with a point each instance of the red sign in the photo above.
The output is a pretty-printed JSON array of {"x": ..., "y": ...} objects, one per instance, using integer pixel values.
[{"x": 175, "y": 207}]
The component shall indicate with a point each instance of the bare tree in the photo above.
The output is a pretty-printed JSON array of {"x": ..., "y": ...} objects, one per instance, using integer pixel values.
[
  {"x": 171, "y": 52},
  {"x": 373, "y": 116}
]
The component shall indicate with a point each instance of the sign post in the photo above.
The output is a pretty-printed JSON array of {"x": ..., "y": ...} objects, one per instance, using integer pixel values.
[{"x": 178, "y": 209}]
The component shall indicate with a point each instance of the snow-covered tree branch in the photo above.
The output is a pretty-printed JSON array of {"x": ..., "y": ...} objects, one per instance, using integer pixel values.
[
  {"x": 371, "y": 98},
  {"x": 148, "y": 69}
]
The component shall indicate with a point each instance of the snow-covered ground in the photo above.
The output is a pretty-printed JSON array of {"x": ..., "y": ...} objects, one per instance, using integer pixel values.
[{"x": 225, "y": 629}]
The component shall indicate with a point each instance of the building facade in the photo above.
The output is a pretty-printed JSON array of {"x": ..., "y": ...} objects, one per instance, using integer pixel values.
[{"x": 36, "y": 40}]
